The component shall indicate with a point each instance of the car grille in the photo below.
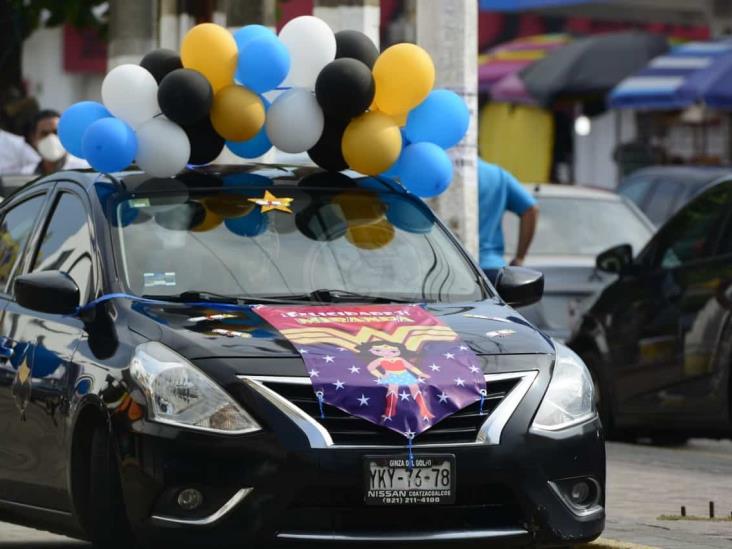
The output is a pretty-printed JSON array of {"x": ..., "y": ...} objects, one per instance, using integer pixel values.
[{"x": 344, "y": 429}]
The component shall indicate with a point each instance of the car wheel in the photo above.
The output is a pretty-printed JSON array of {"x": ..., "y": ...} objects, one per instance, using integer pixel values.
[{"x": 108, "y": 527}]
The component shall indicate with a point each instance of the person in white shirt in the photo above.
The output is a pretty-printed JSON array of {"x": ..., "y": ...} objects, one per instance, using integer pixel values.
[
  {"x": 16, "y": 156},
  {"x": 44, "y": 137}
]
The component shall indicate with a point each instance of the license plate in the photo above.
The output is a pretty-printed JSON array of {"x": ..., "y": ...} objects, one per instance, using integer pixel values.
[{"x": 389, "y": 481}]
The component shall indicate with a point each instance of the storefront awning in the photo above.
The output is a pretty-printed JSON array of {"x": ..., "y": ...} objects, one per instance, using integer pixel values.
[{"x": 693, "y": 73}]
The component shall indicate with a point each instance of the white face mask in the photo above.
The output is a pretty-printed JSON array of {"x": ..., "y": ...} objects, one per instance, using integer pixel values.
[{"x": 50, "y": 148}]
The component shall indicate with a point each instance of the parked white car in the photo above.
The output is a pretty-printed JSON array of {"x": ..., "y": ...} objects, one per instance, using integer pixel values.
[{"x": 575, "y": 224}]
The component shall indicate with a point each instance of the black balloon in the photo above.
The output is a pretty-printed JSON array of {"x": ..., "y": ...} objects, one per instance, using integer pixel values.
[
  {"x": 160, "y": 62},
  {"x": 326, "y": 153},
  {"x": 356, "y": 45},
  {"x": 206, "y": 144},
  {"x": 344, "y": 88},
  {"x": 185, "y": 96}
]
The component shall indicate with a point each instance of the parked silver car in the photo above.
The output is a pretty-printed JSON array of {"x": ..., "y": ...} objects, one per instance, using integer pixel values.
[{"x": 575, "y": 224}]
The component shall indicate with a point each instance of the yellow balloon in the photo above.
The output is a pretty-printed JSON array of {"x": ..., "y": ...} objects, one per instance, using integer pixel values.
[
  {"x": 211, "y": 50},
  {"x": 371, "y": 237},
  {"x": 371, "y": 143},
  {"x": 360, "y": 207},
  {"x": 404, "y": 75},
  {"x": 237, "y": 114},
  {"x": 210, "y": 221}
]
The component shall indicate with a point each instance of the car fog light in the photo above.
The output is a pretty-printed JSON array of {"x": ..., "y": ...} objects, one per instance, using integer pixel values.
[
  {"x": 190, "y": 499},
  {"x": 579, "y": 493}
]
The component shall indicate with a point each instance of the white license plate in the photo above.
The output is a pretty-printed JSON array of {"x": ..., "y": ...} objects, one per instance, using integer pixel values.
[{"x": 389, "y": 481}]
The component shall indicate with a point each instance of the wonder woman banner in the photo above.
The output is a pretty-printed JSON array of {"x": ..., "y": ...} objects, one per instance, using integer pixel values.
[{"x": 393, "y": 365}]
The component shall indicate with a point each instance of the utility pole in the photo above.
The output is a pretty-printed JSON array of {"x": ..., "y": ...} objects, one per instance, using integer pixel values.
[
  {"x": 132, "y": 30},
  {"x": 360, "y": 15},
  {"x": 260, "y": 12},
  {"x": 448, "y": 30}
]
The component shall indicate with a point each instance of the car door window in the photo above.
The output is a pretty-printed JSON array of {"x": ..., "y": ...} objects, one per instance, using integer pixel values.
[
  {"x": 66, "y": 244},
  {"x": 637, "y": 189},
  {"x": 663, "y": 200},
  {"x": 692, "y": 234},
  {"x": 15, "y": 229}
]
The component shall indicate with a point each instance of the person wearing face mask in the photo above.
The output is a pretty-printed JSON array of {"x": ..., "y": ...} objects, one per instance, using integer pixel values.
[{"x": 44, "y": 138}]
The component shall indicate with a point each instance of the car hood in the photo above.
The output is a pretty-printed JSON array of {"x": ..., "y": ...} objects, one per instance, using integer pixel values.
[{"x": 243, "y": 337}]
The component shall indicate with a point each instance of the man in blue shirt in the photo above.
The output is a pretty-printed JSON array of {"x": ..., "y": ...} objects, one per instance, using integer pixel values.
[{"x": 498, "y": 192}]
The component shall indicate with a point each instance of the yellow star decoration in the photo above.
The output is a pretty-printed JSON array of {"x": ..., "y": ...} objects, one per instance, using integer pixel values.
[{"x": 271, "y": 202}]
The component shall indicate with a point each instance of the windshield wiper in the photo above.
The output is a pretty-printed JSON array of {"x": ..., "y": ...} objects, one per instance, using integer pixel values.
[
  {"x": 211, "y": 297},
  {"x": 333, "y": 296}
]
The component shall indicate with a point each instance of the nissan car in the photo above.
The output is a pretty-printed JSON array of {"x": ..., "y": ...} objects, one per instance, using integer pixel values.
[{"x": 145, "y": 400}]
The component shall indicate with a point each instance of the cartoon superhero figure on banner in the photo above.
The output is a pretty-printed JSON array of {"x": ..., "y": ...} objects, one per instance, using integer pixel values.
[{"x": 392, "y": 370}]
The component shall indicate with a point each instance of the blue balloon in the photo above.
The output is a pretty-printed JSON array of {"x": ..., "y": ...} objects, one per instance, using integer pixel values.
[
  {"x": 250, "y": 32},
  {"x": 257, "y": 145},
  {"x": 409, "y": 215},
  {"x": 263, "y": 63},
  {"x": 74, "y": 122},
  {"x": 252, "y": 224},
  {"x": 393, "y": 171},
  {"x": 109, "y": 145},
  {"x": 425, "y": 169},
  {"x": 443, "y": 119}
]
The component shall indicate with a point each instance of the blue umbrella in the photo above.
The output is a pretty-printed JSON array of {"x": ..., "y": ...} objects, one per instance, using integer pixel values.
[{"x": 698, "y": 72}]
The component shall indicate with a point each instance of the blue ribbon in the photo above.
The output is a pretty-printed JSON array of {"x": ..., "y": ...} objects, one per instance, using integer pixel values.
[
  {"x": 148, "y": 301},
  {"x": 482, "y": 400},
  {"x": 410, "y": 453},
  {"x": 321, "y": 399}
]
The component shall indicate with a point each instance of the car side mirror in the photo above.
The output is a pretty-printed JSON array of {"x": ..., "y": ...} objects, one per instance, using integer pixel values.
[
  {"x": 519, "y": 286},
  {"x": 52, "y": 292},
  {"x": 616, "y": 259}
]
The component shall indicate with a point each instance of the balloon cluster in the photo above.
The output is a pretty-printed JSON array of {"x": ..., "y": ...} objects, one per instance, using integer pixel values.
[{"x": 332, "y": 95}]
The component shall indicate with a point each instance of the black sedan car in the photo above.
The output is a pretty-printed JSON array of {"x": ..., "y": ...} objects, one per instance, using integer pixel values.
[
  {"x": 144, "y": 400},
  {"x": 659, "y": 340}
]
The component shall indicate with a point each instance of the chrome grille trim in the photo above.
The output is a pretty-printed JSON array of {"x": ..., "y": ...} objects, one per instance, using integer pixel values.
[{"x": 319, "y": 437}]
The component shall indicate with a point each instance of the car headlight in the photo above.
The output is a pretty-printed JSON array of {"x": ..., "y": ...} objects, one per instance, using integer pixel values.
[
  {"x": 180, "y": 394},
  {"x": 569, "y": 398}
]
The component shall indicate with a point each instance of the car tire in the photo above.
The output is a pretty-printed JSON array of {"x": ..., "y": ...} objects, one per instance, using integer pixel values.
[{"x": 107, "y": 524}]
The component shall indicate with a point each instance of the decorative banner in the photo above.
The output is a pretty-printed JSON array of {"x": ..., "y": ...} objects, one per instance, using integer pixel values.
[{"x": 393, "y": 365}]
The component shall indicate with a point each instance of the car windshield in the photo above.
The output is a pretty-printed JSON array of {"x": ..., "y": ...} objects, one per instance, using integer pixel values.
[
  {"x": 580, "y": 226},
  {"x": 288, "y": 242}
]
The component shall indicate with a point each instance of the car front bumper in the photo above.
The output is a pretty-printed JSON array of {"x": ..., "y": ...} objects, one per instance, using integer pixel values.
[{"x": 256, "y": 489}]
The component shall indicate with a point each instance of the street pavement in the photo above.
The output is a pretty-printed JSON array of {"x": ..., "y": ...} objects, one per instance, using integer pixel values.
[{"x": 644, "y": 482}]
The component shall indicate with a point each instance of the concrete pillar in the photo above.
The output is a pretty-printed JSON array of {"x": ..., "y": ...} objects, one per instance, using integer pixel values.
[
  {"x": 260, "y": 12},
  {"x": 720, "y": 18},
  {"x": 448, "y": 30},
  {"x": 360, "y": 15},
  {"x": 132, "y": 30}
]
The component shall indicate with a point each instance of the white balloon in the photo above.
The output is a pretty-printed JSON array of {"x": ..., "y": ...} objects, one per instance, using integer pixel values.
[
  {"x": 312, "y": 45},
  {"x": 131, "y": 93},
  {"x": 163, "y": 148},
  {"x": 295, "y": 121}
]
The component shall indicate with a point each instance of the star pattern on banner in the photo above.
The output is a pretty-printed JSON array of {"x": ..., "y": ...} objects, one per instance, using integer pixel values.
[
  {"x": 354, "y": 369},
  {"x": 313, "y": 373},
  {"x": 404, "y": 395},
  {"x": 364, "y": 400},
  {"x": 328, "y": 359}
]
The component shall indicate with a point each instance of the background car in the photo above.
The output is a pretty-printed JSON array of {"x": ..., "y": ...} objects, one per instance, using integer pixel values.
[
  {"x": 575, "y": 224},
  {"x": 143, "y": 397},
  {"x": 659, "y": 339},
  {"x": 660, "y": 191}
]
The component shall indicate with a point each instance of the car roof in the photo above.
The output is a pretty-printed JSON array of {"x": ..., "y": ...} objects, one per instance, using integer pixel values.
[
  {"x": 570, "y": 191},
  {"x": 210, "y": 177},
  {"x": 690, "y": 175}
]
